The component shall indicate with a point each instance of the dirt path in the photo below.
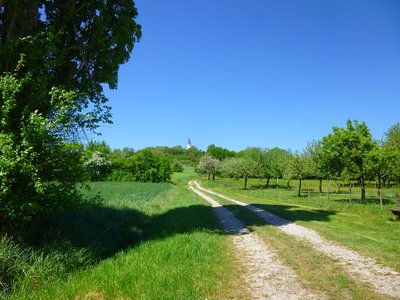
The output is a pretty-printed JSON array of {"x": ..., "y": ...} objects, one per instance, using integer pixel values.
[
  {"x": 382, "y": 279},
  {"x": 266, "y": 276}
]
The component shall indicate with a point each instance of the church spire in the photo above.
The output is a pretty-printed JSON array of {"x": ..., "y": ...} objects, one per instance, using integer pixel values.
[{"x": 189, "y": 144}]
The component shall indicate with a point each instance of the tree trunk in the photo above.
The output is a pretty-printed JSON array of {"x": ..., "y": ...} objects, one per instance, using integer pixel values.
[
  {"x": 245, "y": 182},
  {"x": 379, "y": 192},
  {"x": 299, "y": 191},
  {"x": 288, "y": 184},
  {"x": 350, "y": 192},
  {"x": 268, "y": 182},
  {"x": 213, "y": 177},
  {"x": 362, "y": 182},
  {"x": 329, "y": 189},
  {"x": 209, "y": 176},
  {"x": 320, "y": 185}
]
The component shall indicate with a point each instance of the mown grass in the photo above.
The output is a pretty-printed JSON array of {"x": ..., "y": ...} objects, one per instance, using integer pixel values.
[
  {"x": 144, "y": 241},
  {"x": 366, "y": 228}
]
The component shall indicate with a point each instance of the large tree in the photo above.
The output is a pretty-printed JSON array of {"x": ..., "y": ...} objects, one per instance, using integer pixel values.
[
  {"x": 56, "y": 56},
  {"x": 347, "y": 150},
  {"x": 72, "y": 45}
]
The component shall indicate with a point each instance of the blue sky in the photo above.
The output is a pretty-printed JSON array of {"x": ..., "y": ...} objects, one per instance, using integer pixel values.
[{"x": 257, "y": 73}]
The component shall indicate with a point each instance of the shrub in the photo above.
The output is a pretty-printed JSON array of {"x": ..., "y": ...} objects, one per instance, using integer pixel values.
[{"x": 177, "y": 167}]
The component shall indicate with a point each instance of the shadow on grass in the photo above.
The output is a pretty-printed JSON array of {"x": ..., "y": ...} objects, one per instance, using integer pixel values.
[
  {"x": 105, "y": 231},
  {"x": 290, "y": 213},
  {"x": 370, "y": 200}
]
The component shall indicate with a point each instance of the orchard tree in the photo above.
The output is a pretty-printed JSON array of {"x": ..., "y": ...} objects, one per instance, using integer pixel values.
[
  {"x": 277, "y": 159},
  {"x": 239, "y": 167},
  {"x": 208, "y": 165},
  {"x": 299, "y": 168},
  {"x": 317, "y": 170},
  {"x": 347, "y": 150},
  {"x": 383, "y": 163},
  {"x": 392, "y": 137},
  {"x": 56, "y": 56},
  {"x": 256, "y": 157}
]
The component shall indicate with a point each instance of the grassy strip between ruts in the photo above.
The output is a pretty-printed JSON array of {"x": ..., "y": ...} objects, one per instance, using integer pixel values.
[
  {"x": 366, "y": 228},
  {"x": 151, "y": 241},
  {"x": 314, "y": 270}
]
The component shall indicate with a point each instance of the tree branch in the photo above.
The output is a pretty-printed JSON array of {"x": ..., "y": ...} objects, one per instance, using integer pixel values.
[{"x": 84, "y": 61}]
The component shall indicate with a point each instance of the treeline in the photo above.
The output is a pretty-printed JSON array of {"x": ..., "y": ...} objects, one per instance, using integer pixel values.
[
  {"x": 152, "y": 164},
  {"x": 347, "y": 154}
]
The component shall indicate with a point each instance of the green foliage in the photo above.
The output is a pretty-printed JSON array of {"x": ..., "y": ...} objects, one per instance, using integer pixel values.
[
  {"x": 187, "y": 157},
  {"x": 98, "y": 163},
  {"x": 277, "y": 159},
  {"x": 76, "y": 47},
  {"x": 208, "y": 165},
  {"x": 392, "y": 137},
  {"x": 219, "y": 152},
  {"x": 346, "y": 151},
  {"x": 177, "y": 167},
  {"x": 38, "y": 171},
  {"x": 142, "y": 166},
  {"x": 98, "y": 166},
  {"x": 55, "y": 58}
]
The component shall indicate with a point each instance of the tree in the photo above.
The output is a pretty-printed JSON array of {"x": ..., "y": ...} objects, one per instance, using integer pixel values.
[
  {"x": 208, "y": 165},
  {"x": 55, "y": 58},
  {"x": 98, "y": 162},
  {"x": 392, "y": 137},
  {"x": 277, "y": 160},
  {"x": 383, "y": 162},
  {"x": 313, "y": 150},
  {"x": 347, "y": 150},
  {"x": 256, "y": 157},
  {"x": 239, "y": 167},
  {"x": 219, "y": 152},
  {"x": 299, "y": 168}
]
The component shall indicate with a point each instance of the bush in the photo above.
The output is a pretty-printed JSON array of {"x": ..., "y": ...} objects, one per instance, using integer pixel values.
[
  {"x": 38, "y": 170},
  {"x": 177, "y": 167},
  {"x": 141, "y": 166}
]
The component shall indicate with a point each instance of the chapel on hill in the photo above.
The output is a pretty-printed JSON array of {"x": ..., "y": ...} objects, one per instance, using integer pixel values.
[{"x": 189, "y": 144}]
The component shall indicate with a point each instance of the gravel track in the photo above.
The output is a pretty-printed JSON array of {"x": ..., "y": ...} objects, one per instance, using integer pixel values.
[
  {"x": 382, "y": 279},
  {"x": 266, "y": 276}
]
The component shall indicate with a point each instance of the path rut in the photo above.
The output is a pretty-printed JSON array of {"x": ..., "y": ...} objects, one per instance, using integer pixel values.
[
  {"x": 382, "y": 279},
  {"x": 266, "y": 276}
]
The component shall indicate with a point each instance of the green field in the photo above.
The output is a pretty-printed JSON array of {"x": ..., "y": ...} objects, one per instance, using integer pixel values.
[
  {"x": 366, "y": 228},
  {"x": 147, "y": 241},
  {"x": 160, "y": 241}
]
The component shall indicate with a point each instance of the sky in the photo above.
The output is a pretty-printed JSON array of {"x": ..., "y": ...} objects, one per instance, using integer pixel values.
[{"x": 262, "y": 73}]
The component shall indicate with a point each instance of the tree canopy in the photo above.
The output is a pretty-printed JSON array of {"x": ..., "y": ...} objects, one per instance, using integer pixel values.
[{"x": 55, "y": 58}]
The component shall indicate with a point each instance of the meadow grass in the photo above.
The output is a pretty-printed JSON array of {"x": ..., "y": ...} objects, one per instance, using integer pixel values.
[
  {"x": 366, "y": 228},
  {"x": 144, "y": 241}
]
